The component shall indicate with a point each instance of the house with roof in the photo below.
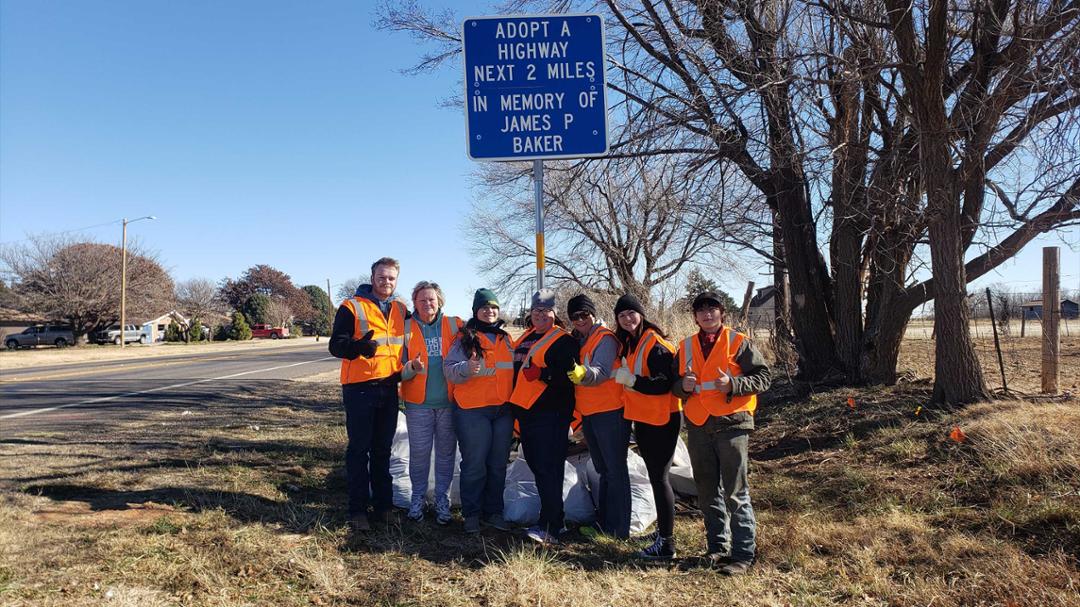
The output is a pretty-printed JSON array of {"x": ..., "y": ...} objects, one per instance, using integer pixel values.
[
  {"x": 762, "y": 305},
  {"x": 1033, "y": 309}
]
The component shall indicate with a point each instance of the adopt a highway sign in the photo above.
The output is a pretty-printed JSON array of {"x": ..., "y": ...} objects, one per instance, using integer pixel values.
[{"x": 535, "y": 87}]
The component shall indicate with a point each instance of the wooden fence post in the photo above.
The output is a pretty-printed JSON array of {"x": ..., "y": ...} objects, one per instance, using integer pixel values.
[
  {"x": 1051, "y": 314},
  {"x": 746, "y": 305}
]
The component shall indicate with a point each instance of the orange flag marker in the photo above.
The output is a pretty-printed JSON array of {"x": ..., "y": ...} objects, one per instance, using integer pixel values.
[{"x": 958, "y": 435}]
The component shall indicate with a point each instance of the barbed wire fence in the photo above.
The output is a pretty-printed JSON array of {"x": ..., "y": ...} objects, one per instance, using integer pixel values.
[{"x": 1018, "y": 320}]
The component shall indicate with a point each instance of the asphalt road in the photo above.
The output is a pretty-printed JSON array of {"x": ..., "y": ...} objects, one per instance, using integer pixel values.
[{"x": 64, "y": 397}]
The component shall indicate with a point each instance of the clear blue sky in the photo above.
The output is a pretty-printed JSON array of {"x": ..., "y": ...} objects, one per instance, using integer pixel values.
[{"x": 257, "y": 132}]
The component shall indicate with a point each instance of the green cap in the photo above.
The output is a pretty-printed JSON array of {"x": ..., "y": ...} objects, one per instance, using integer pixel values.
[{"x": 484, "y": 297}]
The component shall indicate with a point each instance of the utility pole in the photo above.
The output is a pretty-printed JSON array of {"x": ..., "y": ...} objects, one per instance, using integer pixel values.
[{"x": 123, "y": 277}]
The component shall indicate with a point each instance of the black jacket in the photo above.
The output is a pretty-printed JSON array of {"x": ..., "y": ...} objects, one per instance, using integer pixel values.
[
  {"x": 560, "y": 359},
  {"x": 342, "y": 344}
]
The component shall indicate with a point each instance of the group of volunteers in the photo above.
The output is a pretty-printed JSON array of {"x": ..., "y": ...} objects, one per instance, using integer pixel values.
[{"x": 468, "y": 384}]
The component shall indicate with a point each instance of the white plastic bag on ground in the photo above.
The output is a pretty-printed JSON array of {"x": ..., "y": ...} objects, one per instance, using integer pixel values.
[
  {"x": 642, "y": 505},
  {"x": 399, "y": 470},
  {"x": 682, "y": 473},
  {"x": 521, "y": 501}
]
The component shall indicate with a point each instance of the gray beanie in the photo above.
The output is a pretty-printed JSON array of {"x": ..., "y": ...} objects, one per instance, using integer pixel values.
[{"x": 544, "y": 298}]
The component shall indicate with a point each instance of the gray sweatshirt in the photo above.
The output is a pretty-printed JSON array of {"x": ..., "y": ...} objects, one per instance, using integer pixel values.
[{"x": 603, "y": 358}]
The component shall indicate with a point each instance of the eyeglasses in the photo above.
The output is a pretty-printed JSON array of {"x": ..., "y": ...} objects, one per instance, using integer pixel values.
[{"x": 580, "y": 316}]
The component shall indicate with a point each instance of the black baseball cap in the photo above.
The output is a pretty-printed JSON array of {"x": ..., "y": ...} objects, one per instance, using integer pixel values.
[{"x": 707, "y": 297}]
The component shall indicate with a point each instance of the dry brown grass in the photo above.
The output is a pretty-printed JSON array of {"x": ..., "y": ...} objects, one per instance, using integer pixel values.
[{"x": 241, "y": 501}]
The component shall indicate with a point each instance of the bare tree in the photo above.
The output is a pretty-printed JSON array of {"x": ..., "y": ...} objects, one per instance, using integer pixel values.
[
  {"x": 348, "y": 288},
  {"x": 198, "y": 297},
  {"x": 618, "y": 226},
  {"x": 279, "y": 313},
  {"x": 79, "y": 282},
  {"x": 895, "y": 133}
]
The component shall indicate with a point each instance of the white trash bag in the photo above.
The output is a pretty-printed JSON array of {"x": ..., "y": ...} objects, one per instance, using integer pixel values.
[
  {"x": 399, "y": 470},
  {"x": 642, "y": 505},
  {"x": 521, "y": 501},
  {"x": 682, "y": 472}
]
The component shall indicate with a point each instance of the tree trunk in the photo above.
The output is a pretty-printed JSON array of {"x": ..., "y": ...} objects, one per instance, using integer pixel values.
[
  {"x": 958, "y": 377},
  {"x": 808, "y": 275}
]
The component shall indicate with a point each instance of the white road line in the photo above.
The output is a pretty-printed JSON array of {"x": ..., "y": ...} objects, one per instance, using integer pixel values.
[{"x": 159, "y": 389}]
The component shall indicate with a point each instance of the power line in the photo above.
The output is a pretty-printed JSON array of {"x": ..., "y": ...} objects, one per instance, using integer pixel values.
[{"x": 115, "y": 221}]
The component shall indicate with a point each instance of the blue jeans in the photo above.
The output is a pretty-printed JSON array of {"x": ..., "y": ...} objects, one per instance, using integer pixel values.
[
  {"x": 484, "y": 435},
  {"x": 608, "y": 435},
  {"x": 429, "y": 426},
  {"x": 371, "y": 414},
  {"x": 720, "y": 460},
  {"x": 544, "y": 440}
]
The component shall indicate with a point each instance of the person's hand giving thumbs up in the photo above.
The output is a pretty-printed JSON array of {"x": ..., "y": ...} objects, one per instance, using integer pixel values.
[
  {"x": 474, "y": 364},
  {"x": 416, "y": 365},
  {"x": 367, "y": 346}
]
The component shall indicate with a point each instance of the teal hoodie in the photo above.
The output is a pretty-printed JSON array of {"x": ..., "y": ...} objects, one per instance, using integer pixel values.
[{"x": 435, "y": 395}]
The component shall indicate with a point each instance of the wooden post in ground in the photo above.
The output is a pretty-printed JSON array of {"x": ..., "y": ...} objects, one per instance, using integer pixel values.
[
  {"x": 1051, "y": 315},
  {"x": 746, "y": 305}
]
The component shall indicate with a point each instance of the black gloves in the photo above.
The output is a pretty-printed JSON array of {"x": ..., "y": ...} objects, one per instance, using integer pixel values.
[{"x": 366, "y": 346}]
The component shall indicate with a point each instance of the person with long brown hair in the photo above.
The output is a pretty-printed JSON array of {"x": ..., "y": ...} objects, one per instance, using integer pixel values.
[{"x": 645, "y": 372}]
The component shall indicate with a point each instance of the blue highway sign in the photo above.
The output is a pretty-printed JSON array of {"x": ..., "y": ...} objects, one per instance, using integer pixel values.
[{"x": 535, "y": 87}]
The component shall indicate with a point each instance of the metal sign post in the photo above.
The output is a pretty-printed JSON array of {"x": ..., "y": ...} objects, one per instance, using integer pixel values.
[
  {"x": 534, "y": 90},
  {"x": 538, "y": 181}
]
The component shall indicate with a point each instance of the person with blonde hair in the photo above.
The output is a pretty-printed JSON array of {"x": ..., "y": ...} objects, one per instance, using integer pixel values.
[
  {"x": 429, "y": 399},
  {"x": 367, "y": 336}
]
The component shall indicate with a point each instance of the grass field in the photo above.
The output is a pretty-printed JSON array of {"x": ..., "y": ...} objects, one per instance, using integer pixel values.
[{"x": 240, "y": 501}]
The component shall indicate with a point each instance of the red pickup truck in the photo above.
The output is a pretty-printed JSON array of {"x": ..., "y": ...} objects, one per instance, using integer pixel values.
[{"x": 268, "y": 331}]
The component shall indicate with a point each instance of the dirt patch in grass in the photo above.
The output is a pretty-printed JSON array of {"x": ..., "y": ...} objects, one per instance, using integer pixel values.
[{"x": 242, "y": 502}]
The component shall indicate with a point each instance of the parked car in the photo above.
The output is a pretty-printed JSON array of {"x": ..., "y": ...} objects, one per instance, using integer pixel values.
[
  {"x": 132, "y": 333},
  {"x": 269, "y": 331},
  {"x": 41, "y": 335}
]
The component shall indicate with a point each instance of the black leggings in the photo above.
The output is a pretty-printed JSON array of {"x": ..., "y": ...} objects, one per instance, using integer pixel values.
[{"x": 657, "y": 446}]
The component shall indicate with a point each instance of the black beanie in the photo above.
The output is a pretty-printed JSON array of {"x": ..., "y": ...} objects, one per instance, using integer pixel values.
[
  {"x": 580, "y": 303},
  {"x": 629, "y": 302}
]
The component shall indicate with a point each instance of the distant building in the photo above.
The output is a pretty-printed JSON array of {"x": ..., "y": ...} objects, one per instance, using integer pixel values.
[
  {"x": 155, "y": 327},
  {"x": 760, "y": 315},
  {"x": 1033, "y": 309}
]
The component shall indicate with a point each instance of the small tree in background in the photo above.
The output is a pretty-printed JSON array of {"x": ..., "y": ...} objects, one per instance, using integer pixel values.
[
  {"x": 173, "y": 333},
  {"x": 194, "y": 330},
  {"x": 240, "y": 330},
  {"x": 320, "y": 303},
  {"x": 257, "y": 309},
  {"x": 697, "y": 283}
]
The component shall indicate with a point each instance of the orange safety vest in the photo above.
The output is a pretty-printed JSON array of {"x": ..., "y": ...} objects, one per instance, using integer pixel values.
[
  {"x": 605, "y": 396},
  {"x": 493, "y": 384},
  {"x": 653, "y": 409},
  {"x": 414, "y": 389},
  {"x": 706, "y": 399},
  {"x": 527, "y": 391},
  {"x": 388, "y": 335}
]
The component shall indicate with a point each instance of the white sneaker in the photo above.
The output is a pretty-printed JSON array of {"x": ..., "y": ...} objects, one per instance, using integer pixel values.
[{"x": 541, "y": 536}]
